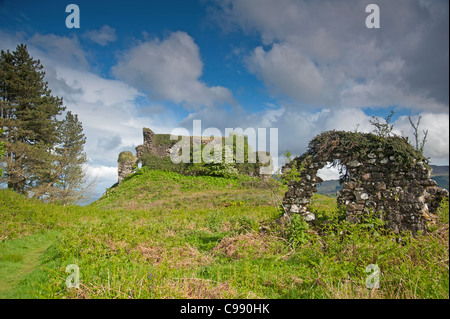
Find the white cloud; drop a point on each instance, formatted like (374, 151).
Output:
(318, 53)
(437, 143)
(107, 110)
(10, 41)
(288, 71)
(328, 173)
(112, 121)
(171, 70)
(101, 172)
(59, 50)
(295, 128)
(103, 36)
(321, 52)
(102, 176)
(321, 56)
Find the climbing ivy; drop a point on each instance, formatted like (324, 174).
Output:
(296, 167)
(355, 145)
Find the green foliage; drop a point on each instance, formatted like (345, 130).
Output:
(294, 171)
(442, 212)
(359, 145)
(164, 140)
(165, 235)
(287, 156)
(29, 119)
(383, 129)
(126, 156)
(218, 166)
(2, 151)
(69, 178)
(298, 231)
(43, 155)
(152, 161)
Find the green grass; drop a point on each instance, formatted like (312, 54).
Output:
(18, 259)
(165, 235)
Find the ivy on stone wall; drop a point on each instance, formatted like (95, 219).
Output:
(355, 145)
(383, 174)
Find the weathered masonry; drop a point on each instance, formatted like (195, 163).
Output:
(162, 146)
(385, 175)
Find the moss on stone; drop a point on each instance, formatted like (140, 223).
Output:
(164, 140)
(359, 145)
(126, 156)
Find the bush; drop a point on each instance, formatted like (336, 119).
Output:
(298, 234)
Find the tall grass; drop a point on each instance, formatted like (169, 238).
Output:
(165, 235)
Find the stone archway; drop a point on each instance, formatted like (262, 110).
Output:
(381, 174)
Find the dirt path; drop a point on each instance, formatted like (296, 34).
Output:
(19, 258)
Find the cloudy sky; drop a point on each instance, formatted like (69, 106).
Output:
(303, 67)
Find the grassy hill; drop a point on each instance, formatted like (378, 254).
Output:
(164, 235)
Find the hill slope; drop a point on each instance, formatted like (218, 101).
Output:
(164, 235)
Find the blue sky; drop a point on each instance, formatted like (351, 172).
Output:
(300, 66)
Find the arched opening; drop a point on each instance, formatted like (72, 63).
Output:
(331, 179)
(385, 176)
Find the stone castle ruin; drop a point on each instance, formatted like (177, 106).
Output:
(382, 175)
(385, 175)
(162, 146)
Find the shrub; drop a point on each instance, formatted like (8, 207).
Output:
(298, 234)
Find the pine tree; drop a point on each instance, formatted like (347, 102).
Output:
(70, 156)
(2, 151)
(28, 116)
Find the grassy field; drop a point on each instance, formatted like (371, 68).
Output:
(164, 235)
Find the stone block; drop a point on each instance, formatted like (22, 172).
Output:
(354, 163)
(352, 207)
(309, 217)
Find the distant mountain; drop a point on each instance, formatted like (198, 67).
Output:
(439, 170)
(329, 187)
(439, 174)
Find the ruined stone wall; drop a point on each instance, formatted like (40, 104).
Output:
(125, 163)
(377, 181)
(160, 145)
(150, 146)
(162, 150)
